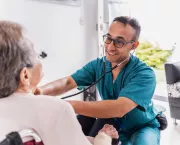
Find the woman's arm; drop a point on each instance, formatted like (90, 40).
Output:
(102, 139)
(57, 124)
(104, 136)
(91, 139)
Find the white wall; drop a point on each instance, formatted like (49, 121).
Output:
(159, 20)
(67, 33)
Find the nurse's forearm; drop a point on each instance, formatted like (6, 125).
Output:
(99, 109)
(104, 109)
(58, 87)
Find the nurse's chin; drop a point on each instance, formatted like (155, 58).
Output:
(111, 59)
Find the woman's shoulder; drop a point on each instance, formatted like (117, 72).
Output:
(50, 101)
(51, 107)
(41, 103)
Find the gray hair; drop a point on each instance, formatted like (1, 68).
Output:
(15, 53)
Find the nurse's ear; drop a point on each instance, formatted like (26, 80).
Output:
(135, 45)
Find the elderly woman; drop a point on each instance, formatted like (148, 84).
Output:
(20, 71)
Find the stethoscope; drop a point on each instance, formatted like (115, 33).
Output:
(121, 127)
(100, 77)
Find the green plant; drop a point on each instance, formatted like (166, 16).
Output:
(153, 55)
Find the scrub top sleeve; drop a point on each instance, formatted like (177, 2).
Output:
(86, 75)
(140, 88)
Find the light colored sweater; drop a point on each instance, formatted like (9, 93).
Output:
(53, 119)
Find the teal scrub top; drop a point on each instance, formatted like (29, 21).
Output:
(135, 81)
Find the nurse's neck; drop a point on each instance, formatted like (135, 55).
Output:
(121, 66)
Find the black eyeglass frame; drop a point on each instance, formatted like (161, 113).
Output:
(115, 41)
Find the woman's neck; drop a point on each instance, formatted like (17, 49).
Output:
(24, 90)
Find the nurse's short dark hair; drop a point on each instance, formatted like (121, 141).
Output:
(126, 20)
(15, 53)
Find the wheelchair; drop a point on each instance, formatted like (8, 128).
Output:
(16, 138)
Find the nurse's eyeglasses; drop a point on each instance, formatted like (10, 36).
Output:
(117, 43)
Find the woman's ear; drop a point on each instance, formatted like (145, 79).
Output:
(25, 76)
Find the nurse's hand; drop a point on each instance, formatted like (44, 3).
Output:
(37, 91)
(110, 131)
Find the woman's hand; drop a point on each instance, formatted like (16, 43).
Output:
(110, 131)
